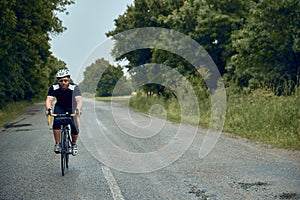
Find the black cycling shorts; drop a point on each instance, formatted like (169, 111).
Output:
(73, 124)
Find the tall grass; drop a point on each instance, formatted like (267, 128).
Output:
(264, 117)
(258, 116)
(170, 109)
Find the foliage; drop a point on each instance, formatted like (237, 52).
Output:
(264, 117)
(211, 23)
(143, 14)
(105, 80)
(108, 81)
(206, 22)
(92, 75)
(25, 56)
(267, 47)
(253, 43)
(123, 88)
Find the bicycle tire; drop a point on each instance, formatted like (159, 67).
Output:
(67, 146)
(63, 152)
(67, 161)
(62, 164)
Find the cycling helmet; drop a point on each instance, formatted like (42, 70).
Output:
(62, 73)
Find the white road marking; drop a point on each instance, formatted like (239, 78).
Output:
(112, 183)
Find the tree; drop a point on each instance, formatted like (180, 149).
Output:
(123, 87)
(144, 13)
(211, 24)
(253, 43)
(25, 29)
(108, 81)
(267, 47)
(101, 78)
(92, 75)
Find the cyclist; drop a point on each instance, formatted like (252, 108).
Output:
(68, 99)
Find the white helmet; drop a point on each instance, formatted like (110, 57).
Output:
(62, 73)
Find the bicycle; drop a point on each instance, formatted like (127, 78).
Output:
(65, 138)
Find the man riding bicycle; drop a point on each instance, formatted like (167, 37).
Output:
(68, 99)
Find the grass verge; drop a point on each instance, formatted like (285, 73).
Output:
(260, 116)
(266, 118)
(11, 111)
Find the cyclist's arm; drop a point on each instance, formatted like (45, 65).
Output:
(79, 103)
(48, 103)
(50, 97)
(78, 99)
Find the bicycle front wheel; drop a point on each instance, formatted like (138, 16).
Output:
(64, 154)
(63, 163)
(67, 155)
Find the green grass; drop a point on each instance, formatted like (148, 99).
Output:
(265, 118)
(11, 111)
(120, 100)
(156, 106)
(88, 95)
(170, 109)
(259, 116)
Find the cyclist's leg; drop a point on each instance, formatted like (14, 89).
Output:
(75, 135)
(74, 130)
(57, 129)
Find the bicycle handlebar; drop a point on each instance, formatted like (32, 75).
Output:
(61, 115)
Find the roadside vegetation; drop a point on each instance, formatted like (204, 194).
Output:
(264, 117)
(11, 111)
(260, 116)
(255, 46)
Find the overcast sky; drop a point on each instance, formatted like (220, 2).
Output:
(86, 23)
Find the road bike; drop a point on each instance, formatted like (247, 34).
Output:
(65, 138)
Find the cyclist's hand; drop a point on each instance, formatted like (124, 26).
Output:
(49, 111)
(78, 111)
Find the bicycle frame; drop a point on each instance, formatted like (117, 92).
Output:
(65, 141)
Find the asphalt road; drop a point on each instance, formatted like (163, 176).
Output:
(139, 157)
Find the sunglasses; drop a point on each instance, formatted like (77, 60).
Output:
(63, 80)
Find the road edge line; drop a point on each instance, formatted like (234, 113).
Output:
(112, 183)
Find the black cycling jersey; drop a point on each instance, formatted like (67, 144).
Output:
(65, 98)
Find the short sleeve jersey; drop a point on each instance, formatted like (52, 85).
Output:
(65, 98)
